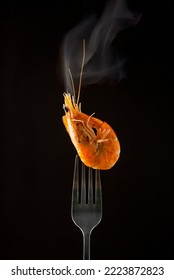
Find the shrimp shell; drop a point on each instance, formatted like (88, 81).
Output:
(95, 141)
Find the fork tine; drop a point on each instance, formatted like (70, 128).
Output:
(90, 187)
(75, 188)
(83, 185)
(98, 191)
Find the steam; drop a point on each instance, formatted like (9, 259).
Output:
(101, 61)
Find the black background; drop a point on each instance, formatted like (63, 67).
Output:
(37, 155)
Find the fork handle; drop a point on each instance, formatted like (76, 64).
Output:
(86, 246)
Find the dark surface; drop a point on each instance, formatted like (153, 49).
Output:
(37, 155)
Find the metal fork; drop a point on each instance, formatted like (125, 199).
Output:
(86, 207)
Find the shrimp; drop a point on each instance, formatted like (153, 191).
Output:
(95, 141)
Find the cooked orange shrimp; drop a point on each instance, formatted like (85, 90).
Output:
(95, 141)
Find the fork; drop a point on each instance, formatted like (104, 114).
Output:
(86, 207)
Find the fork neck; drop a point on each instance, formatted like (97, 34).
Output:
(86, 246)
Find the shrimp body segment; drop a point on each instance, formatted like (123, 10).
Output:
(95, 141)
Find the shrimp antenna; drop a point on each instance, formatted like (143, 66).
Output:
(72, 83)
(81, 72)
